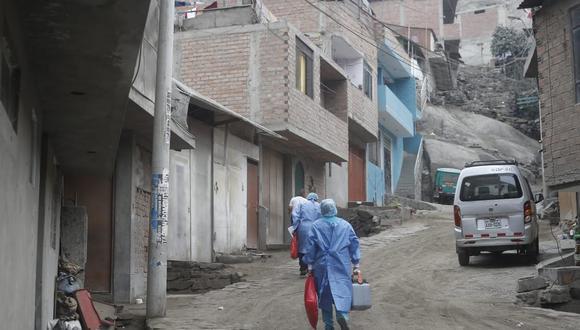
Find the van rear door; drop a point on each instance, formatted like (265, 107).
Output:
(492, 205)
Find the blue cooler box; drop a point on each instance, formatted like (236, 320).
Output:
(361, 296)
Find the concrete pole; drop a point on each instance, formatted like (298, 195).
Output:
(157, 275)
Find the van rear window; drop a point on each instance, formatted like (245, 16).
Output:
(490, 186)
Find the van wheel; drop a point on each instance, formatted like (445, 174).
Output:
(533, 250)
(463, 257)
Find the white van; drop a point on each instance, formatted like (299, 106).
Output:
(494, 210)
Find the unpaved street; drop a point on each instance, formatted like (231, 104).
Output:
(416, 282)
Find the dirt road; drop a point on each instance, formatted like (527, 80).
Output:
(416, 282)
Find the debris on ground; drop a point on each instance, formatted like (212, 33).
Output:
(367, 221)
(200, 277)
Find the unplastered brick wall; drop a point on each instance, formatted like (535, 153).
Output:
(349, 22)
(216, 65)
(560, 113)
(363, 110)
(479, 25)
(306, 114)
(417, 13)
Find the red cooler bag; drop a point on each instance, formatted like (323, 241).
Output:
(294, 246)
(311, 300)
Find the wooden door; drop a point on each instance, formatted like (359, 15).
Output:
(95, 193)
(252, 206)
(179, 231)
(356, 174)
(272, 178)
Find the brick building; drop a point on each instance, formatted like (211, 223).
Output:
(556, 64)
(270, 73)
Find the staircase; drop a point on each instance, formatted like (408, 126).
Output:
(406, 186)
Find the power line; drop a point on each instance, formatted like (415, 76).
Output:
(372, 43)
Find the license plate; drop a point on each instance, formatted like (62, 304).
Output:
(492, 223)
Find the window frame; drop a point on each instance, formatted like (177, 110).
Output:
(304, 68)
(367, 80)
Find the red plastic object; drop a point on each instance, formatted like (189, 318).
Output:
(311, 300)
(89, 316)
(294, 247)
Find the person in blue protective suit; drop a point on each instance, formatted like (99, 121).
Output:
(333, 248)
(305, 216)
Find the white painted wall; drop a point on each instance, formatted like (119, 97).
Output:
(337, 183)
(19, 206)
(230, 190)
(190, 235)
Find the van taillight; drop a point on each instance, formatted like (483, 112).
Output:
(457, 215)
(528, 212)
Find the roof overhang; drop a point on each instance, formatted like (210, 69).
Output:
(82, 56)
(533, 3)
(397, 66)
(222, 115)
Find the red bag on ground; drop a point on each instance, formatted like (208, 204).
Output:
(311, 300)
(294, 247)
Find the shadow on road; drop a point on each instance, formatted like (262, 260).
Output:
(505, 260)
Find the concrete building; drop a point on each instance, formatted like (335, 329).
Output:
(556, 65)
(267, 73)
(426, 23)
(476, 22)
(345, 33)
(61, 117)
(392, 159)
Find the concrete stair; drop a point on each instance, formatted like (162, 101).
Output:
(406, 186)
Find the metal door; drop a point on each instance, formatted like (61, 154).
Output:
(252, 206)
(356, 174)
(179, 231)
(95, 193)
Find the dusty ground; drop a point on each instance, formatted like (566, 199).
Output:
(416, 282)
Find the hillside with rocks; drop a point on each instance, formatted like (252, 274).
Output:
(488, 92)
(453, 137)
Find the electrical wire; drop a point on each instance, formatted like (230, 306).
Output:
(363, 38)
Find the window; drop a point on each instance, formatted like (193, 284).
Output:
(368, 81)
(9, 80)
(575, 21)
(490, 186)
(374, 151)
(304, 68)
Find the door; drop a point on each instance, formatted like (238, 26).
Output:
(387, 165)
(356, 174)
(179, 233)
(252, 206)
(95, 193)
(272, 164)
(298, 178)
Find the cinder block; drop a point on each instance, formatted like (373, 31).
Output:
(532, 283)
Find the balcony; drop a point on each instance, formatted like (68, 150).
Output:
(394, 115)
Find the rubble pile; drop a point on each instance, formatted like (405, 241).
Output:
(367, 221)
(199, 277)
(487, 91)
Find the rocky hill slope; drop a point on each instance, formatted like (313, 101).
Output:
(488, 92)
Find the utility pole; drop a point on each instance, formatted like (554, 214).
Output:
(157, 274)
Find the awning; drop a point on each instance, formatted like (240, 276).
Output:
(226, 115)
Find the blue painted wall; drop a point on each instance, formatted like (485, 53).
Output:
(397, 155)
(412, 144)
(406, 91)
(375, 184)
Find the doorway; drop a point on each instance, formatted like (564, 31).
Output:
(387, 165)
(298, 178)
(252, 206)
(95, 193)
(356, 174)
